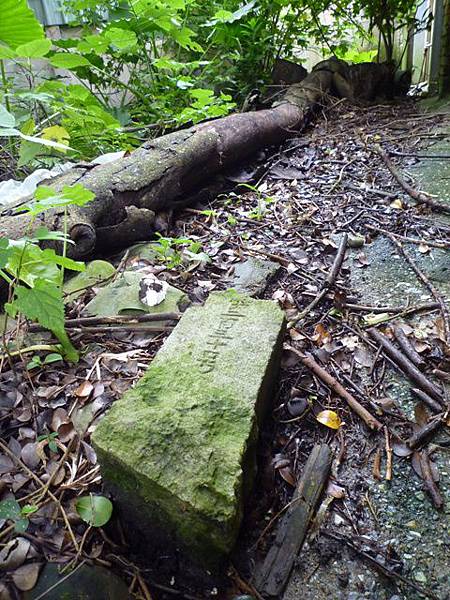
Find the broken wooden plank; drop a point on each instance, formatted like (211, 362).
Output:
(272, 576)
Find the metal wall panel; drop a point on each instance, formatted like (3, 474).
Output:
(48, 12)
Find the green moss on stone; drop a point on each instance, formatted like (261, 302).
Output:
(176, 444)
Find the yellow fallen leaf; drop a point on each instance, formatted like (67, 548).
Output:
(329, 418)
(397, 203)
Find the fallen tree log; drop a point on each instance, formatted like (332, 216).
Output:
(163, 173)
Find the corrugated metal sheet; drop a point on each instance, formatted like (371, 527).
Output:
(48, 12)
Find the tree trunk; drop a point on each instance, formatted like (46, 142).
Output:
(161, 174)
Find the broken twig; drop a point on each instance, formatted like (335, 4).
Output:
(421, 435)
(328, 283)
(419, 197)
(406, 366)
(333, 384)
(408, 348)
(427, 283)
(428, 478)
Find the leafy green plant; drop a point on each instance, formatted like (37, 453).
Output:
(95, 510)
(11, 510)
(262, 199)
(35, 275)
(170, 249)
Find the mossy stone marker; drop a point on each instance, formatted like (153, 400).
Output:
(178, 450)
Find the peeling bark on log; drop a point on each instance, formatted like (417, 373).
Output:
(162, 173)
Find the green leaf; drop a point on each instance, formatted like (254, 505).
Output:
(47, 198)
(43, 303)
(6, 52)
(52, 357)
(21, 525)
(95, 510)
(94, 43)
(121, 38)
(183, 36)
(9, 509)
(67, 60)
(43, 234)
(18, 24)
(34, 49)
(5, 252)
(34, 362)
(7, 120)
(29, 509)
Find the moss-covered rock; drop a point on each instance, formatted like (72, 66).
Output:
(178, 450)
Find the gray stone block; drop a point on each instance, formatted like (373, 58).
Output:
(178, 450)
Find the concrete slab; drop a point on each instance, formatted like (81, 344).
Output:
(252, 276)
(178, 451)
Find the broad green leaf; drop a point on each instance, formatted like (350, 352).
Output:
(50, 257)
(26, 262)
(121, 38)
(21, 525)
(95, 510)
(34, 49)
(9, 133)
(43, 142)
(183, 36)
(43, 303)
(7, 120)
(5, 252)
(94, 43)
(43, 234)
(28, 150)
(67, 60)
(6, 52)
(18, 24)
(225, 16)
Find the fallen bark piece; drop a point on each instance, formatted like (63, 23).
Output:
(339, 389)
(178, 450)
(406, 366)
(272, 576)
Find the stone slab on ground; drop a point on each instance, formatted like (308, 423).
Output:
(97, 272)
(252, 276)
(178, 450)
(122, 297)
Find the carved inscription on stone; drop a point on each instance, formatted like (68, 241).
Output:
(219, 337)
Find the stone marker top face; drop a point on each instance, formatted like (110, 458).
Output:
(184, 430)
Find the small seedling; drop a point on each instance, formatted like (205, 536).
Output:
(169, 249)
(50, 439)
(36, 360)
